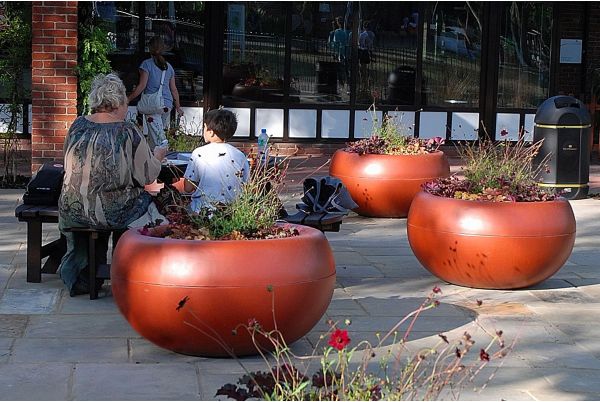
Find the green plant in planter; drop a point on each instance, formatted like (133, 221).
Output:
(389, 139)
(495, 171)
(251, 215)
(365, 371)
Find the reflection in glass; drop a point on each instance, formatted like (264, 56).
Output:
(254, 52)
(524, 54)
(180, 24)
(452, 54)
(321, 52)
(387, 52)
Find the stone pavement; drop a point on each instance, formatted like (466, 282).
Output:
(53, 346)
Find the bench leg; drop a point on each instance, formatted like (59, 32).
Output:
(34, 251)
(92, 237)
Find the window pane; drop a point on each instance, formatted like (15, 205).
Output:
(387, 54)
(452, 54)
(121, 19)
(524, 54)
(254, 52)
(181, 26)
(321, 51)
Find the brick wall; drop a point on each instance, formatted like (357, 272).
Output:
(53, 79)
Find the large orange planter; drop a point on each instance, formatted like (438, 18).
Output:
(221, 284)
(490, 245)
(384, 185)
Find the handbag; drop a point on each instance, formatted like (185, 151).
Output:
(45, 186)
(152, 103)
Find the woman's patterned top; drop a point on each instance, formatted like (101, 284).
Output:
(106, 168)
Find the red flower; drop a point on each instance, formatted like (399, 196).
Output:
(436, 289)
(483, 355)
(339, 339)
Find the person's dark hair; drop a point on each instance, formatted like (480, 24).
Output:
(156, 46)
(339, 21)
(366, 25)
(222, 122)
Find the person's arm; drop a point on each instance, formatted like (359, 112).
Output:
(145, 165)
(140, 86)
(192, 174)
(175, 94)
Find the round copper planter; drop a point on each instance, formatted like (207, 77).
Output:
(188, 296)
(384, 185)
(503, 245)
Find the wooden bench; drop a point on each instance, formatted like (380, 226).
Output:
(97, 271)
(36, 216)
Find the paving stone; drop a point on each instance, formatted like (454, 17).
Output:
(5, 348)
(385, 323)
(549, 355)
(348, 258)
(29, 301)
(144, 351)
(83, 305)
(69, 350)
(361, 271)
(401, 307)
(574, 380)
(79, 326)
(12, 326)
(46, 381)
(128, 381)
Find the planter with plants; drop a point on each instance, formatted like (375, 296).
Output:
(495, 228)
(385, 171)
(227, 267)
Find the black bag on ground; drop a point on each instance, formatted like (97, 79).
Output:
(45, 186)
(327, 194)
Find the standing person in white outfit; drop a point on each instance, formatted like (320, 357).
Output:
(217, 170)
(151, 72)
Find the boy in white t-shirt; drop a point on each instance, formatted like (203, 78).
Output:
(217, 170)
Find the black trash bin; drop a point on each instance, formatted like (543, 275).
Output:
(401, 86)
(563, 122)
(327, 77)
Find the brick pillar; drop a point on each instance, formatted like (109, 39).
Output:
(53, 79)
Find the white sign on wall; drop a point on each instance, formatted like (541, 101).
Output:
(570, 51)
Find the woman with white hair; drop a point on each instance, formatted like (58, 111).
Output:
(107, 163)
(156, 72)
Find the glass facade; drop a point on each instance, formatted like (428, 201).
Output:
(328, 61)
(524, 54)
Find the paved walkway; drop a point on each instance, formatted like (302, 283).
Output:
(53, 346)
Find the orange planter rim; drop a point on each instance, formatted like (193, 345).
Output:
(389, 155)
(559, 199)
(302, 231)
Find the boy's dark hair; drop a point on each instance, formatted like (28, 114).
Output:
(222, 122)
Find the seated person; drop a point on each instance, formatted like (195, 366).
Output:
(217, 170)
(107, 163)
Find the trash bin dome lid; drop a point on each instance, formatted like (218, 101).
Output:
(552, 109)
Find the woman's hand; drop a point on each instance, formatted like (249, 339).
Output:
(179, 110)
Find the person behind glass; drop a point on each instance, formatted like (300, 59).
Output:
(339, 43)
(150, 76)
(217, 170)
(107, 163)
(366, 40)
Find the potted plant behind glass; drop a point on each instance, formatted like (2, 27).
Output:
(385, 171)
(495, 228)
(228, 267)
